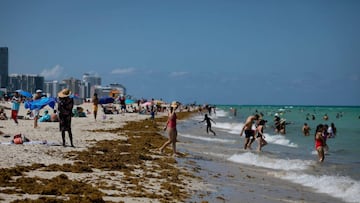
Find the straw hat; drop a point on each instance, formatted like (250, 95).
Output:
(174, 104)
(64, 93)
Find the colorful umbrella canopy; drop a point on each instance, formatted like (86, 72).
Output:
(25, 93)
(146, 103)
(40, 103)
(129, 101)
(106, 100)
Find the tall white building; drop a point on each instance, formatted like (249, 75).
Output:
(88, 82)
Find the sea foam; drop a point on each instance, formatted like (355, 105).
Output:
(336, 186)
(209, 139)
(279, 140)
(271, 163)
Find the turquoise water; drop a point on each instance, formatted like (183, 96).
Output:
(291, 157)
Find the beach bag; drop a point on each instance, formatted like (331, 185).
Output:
(18, 139)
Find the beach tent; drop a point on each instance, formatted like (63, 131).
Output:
(40, 103)
(106, 100)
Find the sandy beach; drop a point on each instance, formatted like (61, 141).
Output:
(117, 160)
(114, 160)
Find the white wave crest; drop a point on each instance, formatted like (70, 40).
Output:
(209, 139)
(335, 186)
(272, 163)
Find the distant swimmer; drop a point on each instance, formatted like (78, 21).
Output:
(306, 129)
(331, 130)
(249, 133)
(208, 124)
(326, 117)
(233, 111)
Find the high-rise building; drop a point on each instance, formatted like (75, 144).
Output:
(28, 82)
(51, 88)
(4, 67)
(89, 81)
(73, 84)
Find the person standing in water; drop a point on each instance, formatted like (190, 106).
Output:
(306, 129)
(208, 124)
(260, 134)
(249, 132)
(320, 142)
(171, 129)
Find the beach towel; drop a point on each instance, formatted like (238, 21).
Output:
(40, 103)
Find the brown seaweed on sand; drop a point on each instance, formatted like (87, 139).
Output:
(111, 169)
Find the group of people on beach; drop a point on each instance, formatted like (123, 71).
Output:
(62, 115)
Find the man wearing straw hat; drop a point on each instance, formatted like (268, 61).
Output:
(65, 106)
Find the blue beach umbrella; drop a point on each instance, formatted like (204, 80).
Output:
(106, 100)
(24, 93)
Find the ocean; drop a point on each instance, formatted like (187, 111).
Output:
(290, 157)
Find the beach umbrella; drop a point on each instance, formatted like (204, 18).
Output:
(24, 93)
(158, 102)
(40, 103)
(106, 100)
(146, 103)
(129, 101)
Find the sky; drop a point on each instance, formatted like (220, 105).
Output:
(255, 52)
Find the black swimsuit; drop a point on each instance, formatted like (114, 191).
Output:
(249, 133)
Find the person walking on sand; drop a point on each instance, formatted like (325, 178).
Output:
(260, 135)
(320, 142)
(171, 129)
(15, 106)
(65, 106)
(208, 124)
(249, 133)
(95, 101)
(37, 96)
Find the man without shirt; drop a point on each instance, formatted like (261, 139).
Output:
(249, 133)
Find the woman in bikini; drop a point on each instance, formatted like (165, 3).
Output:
(320, 142)
(260, 135)
(171, 129)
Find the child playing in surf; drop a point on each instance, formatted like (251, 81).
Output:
(208, 124)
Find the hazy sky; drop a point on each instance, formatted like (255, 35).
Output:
(221, 52)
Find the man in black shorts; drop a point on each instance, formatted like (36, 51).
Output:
(249, 133)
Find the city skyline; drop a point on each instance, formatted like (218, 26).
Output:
(232, 52)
